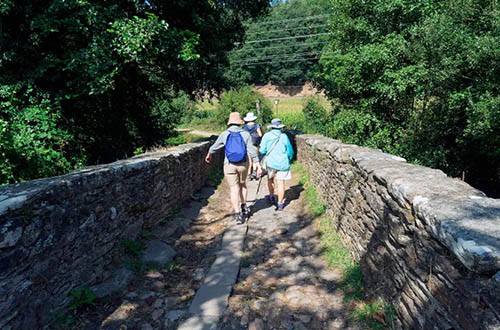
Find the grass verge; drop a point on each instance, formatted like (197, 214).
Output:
(374, 314)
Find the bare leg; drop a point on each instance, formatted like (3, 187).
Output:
(235, 198)
(281, 190)
(270, 185)
(251, 163)
(243, 192)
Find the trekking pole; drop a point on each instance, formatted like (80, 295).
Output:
(258, 187)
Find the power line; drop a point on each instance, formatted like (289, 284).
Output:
(307, 18)
(299, 28)
(285, 60)
(286, 38)
(280, 55)
(279, 47)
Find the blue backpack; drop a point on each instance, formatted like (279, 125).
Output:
(236, 150)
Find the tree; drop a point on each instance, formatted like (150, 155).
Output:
(427, 73)
(107, 71)
(290, 59)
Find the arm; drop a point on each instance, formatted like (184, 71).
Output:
(263, 146)
(259, 131)
(219, 143)
(289, 147)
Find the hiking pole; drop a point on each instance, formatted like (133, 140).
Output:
(258, 187)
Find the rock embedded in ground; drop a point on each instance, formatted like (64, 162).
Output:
(157, 313)
(174, 315)
(256, 324)
(120, 280)
(158, 252)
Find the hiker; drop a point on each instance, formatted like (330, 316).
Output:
(238, 145)
(279, 152)
(256, 133)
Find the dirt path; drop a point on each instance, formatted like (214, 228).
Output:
(283, 282)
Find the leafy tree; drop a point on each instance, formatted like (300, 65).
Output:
(243, 100)
(426, 74)
(286, 61)
(106, 75)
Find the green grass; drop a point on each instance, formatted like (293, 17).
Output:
(375, 315)
(133, 247)
(183, 138)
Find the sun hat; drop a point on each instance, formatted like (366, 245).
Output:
(276, 123)
(250, 117)
(235, 118)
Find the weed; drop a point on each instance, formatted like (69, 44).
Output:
(172, 265)
(138, 266)
(146, 234)
(82, 297)
(133, 247)
(173, 212)
(216, 176)
(316, 207)
(138, 151)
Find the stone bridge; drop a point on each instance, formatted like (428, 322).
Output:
(428, 245)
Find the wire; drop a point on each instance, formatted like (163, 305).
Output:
(280, 55)
(289, 60)
(307, 18)
(286, 38)
(289, 46)
(299, 28)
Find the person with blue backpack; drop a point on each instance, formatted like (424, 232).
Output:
(238, 145)
(278, 152)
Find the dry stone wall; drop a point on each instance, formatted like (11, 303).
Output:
(429, 245)
(61, 233)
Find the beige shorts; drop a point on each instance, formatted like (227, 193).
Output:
(236, 174)
(280, 175)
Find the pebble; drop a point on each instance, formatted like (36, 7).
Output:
(170, 301)
(256, 324)
(198, 274)
(158, 303)
(157, 313)
(158, 285)
(175, 314)
(154, 275)
(146, 326)
(304, 318)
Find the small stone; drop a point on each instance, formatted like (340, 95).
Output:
(170, 301)
(281, 230)
(149, 300)
(259, 305)
(198, 274)
(154, 275)
(191, 293)
(300, 326)
(157, 313)
(287, 325)
(158, 285)
(132, 295)
(244, 319)
(175, 314)
(304, 318)
(256, 324)
(146, 326)
(158, 303)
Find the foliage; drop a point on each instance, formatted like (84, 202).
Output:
(281, 61)
(315, 115)
(133, 247)
(82, 297)
(184, 138)
(419, 78)
(95, 80)
(243, 100)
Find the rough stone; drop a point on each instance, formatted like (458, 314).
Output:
(118, 282)
(157, 313)
(176, 314)
(256, 324)
(158, 252)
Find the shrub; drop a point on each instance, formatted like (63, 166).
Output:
(243, 100)
(315, 115)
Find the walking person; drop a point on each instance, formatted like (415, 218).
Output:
(279, 152)
(256, 133)
(238, 146)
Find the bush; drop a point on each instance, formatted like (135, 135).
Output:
(243, 100)
(315, 115)
(32, 144)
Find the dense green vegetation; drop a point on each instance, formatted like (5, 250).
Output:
(419, 79)
(286, 57)
(90, 81)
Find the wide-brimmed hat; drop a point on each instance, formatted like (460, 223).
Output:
(276, 123)
(250, 117)
(235, 118)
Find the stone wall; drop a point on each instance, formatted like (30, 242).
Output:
(427, 244)
(60, 233)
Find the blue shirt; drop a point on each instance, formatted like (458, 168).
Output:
(281, 154)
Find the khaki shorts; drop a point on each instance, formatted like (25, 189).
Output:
(236, 174)
(280, 175)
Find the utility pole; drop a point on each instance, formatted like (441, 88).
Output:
(257, 106)
(277, 111)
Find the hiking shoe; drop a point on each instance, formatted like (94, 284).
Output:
(245, 210)
(238, 218)
(281, 206)
(271, 199)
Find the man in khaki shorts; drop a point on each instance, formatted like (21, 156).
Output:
(238, 146)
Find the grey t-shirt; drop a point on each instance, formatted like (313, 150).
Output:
(221, 142)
